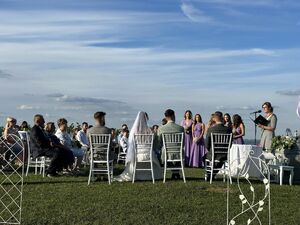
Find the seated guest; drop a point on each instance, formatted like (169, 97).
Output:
(24, 126)
(41, 145)
(66, 140)
(220, 129)
(12, 129)
(68, 160)
(238, 130)
(156, 147)
(100, 127)
(123, 128)
(82, 137)
(124, 140)
(170, 127)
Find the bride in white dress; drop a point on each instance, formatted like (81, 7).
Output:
(139, 127)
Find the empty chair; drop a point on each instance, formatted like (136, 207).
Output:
(100, 162)
(220, 150)
(121, 155)
(173, 153)
(143, 154)
(39, 162)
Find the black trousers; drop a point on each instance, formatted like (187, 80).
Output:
(60, 158)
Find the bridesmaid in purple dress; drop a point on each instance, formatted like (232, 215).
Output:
(238, 130)
(198, 147)
(188, 139)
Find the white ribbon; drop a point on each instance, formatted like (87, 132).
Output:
(298, 108)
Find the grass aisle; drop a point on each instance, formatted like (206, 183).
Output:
(68, 200)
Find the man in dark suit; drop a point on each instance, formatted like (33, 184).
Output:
(42, 146)
(220, 129)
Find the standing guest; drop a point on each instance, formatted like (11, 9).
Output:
(170, 127)
(238, 130)
(41, 145)
(188, 139)
(221, 129)
(68, 159)
(198, 147)
(66, 140)
(227, 120)
(24, 126)
(268, 131)
(82, 137)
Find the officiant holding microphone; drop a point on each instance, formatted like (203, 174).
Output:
(268, 130)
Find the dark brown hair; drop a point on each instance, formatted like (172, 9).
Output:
(61, 121)
(269, 105)
(195, 118)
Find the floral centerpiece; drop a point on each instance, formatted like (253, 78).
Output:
(279, 145)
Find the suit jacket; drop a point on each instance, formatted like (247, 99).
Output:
(219, 129)
(98, 130)
(170, 127)
(39, 142)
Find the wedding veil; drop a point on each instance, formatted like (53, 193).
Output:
(139, 127)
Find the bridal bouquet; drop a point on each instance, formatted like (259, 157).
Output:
(280, 143)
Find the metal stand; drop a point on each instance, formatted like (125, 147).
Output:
(255, 130)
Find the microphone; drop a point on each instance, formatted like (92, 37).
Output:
(258, 111)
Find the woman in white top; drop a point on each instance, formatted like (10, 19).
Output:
(139, 127)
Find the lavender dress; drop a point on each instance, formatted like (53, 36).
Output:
(188, 140)
(198, 149)
(240, 140)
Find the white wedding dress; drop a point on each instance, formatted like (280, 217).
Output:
(139, 127)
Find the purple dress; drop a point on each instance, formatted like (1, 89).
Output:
(198, 149)
(240, 140)
(188, 140)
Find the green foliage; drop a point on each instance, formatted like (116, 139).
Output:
(69, 200)
(280, 143)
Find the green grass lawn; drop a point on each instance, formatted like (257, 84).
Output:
(69, 200)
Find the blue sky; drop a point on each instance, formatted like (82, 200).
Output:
(71, 58)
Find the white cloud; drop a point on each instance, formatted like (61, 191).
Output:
(27, 107)
(195, 14)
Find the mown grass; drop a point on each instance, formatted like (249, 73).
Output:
(69, 200)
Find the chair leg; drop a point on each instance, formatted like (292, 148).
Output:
(280, 175)
(165, 171)
(183, 174)
(291, 176)
(152, 173)
(134, 168)
(90, 174)
(28, 165)
(108, 172)
(211, 172)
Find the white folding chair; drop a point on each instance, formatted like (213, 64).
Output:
(121, 155)
(100, 163)
(143, 147)
(173, 153)
(39, 162)
(220, 144)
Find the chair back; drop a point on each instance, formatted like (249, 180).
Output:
(173, 145)
(100, 146)
(143, 145)
(26, 138)
(220, 143)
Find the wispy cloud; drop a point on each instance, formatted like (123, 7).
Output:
(289, 92)
(196, 15)
(5, 75)
(27, 107)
